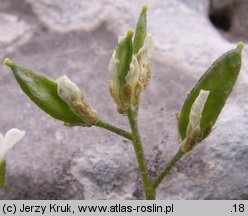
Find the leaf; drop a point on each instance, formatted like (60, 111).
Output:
(219, 79)
(2, 173)
(43, 92)
(141, 30)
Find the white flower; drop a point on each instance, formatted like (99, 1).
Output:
(9, 140)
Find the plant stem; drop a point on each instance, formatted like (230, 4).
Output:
(150, 192)
(168, 168)
(2, 173)
(113, 129)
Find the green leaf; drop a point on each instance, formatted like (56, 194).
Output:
(2, 173)
(219, 79)
(141, 30)
(124, 53)
(43, 92)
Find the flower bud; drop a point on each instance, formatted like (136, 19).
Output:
(71, 94)
(129, 67)
(124, 74)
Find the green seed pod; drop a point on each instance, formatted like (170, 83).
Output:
(2, 173)
(142, 48)
(43, 92)
(124, 53)
(219, 79)
(141, 30)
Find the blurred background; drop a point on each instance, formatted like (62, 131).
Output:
(76, 38)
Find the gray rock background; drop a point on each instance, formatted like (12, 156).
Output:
(77, 38)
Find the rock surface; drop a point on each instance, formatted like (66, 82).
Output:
(77, 39)
(230, 16)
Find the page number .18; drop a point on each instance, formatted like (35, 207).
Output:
(238, 208)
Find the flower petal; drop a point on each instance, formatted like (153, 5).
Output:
(113, 68)
(197, 108)
(146, 49)
(133, 73)
(144, 57)
(1, 139)
(11, 138)
(68, 91)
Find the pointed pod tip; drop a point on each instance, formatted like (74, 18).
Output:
(130, 33)
(144, 8)
(8, 62)
(240, 45)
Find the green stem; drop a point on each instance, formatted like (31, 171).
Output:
(113, 129)
(168, 168)
(2, 173)
(149, 190)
